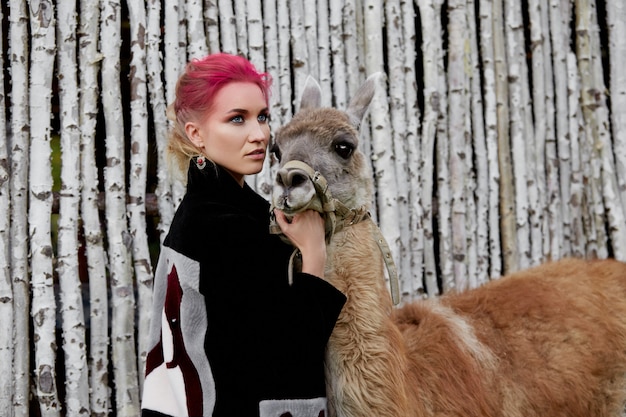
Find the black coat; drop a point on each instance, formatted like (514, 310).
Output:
(264, 339)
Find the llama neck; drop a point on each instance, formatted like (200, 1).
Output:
(366, 355)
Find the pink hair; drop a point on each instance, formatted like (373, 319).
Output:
(204, 77)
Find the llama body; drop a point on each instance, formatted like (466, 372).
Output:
(549, 341)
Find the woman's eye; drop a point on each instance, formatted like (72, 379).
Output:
(263, 118)
(237, 119)
(344, 150)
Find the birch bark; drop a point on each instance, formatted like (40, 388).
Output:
(211, 22)
(20, 147)
(382, 149)
(43, 311)
(339, 84)
(138, 178)
(433, 100)
(457, 134)
(491, 133)
(73, 325)
(240, 15)
(559, 193)
(6, 291)
(197, 46)
(578, 214)
(478, 196)
(517, 111)
(158, 103)
(507, 192)
(616, 19)
(228, 27)
(398, 133)
(285, 108)
(412, 114)
(89, 65)
(299, 49)
(324, 56)
(541, 233)
(124, 356)
(595, 112)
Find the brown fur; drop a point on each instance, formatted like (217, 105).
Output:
(548, 341)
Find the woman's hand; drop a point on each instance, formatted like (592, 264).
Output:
(306, 232)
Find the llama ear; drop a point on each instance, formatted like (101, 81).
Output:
(312, 94)
(363, 97)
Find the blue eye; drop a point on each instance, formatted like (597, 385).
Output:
(237, 119)
(263, 118)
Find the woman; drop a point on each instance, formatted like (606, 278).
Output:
(229, 335)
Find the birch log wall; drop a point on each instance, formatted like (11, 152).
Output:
(497, 141)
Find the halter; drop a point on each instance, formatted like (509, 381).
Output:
(337, 216)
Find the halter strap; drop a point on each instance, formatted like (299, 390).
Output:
(337, 216)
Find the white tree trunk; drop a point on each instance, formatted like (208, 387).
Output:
(339, 82)
(75, 351)
(6, 292)
(20, 276)
(596, 117)
(198, 45)
(412, 115)
(89, 65)
(616, 19)
(325, 75)
(124, 357)
(138, 177)
(211, 22)
(432, 51)
(40, 210)
(398, 139)
(491, 134)
(507, 192)
(228, 28)
(382, 147)
(159, 105)
(457, 134)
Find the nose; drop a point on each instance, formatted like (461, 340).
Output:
(292, 177)
(259, 132)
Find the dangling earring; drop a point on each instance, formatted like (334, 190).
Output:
(200, 162)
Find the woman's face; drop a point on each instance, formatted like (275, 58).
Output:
(235, 132)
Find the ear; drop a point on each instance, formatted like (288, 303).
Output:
(312, 94)
(363, 97)
(193, 133)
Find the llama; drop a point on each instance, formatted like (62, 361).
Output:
(548, 341)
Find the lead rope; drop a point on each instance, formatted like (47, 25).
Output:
(334, 210)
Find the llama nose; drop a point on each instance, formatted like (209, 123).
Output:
(292, 177)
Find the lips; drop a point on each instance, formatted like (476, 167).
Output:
(257, 153)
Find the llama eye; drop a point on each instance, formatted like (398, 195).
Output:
(344, 150)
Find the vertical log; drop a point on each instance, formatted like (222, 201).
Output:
(228, 27)
(89, 66)
(158, 103)
(43, 311)
(20, 135)
(541, 233)
(382, 148)
(507, 193)
(398, 133)
(324, 52)
(478, 229)
(299, 49)
(337, 50)
(284, 62)
(211, 22)
(457, 134)
(412, 114)
(6, 291)
(487, 53)
(616, 22)
(434, 99)
(74, 346)
(138, 177)
(595, 111)
(559, 170)
(241, 26)
(197, 46)
(124, 355)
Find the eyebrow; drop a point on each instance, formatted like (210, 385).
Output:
(265, 109)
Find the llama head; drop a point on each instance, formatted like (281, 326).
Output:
(327, 140)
